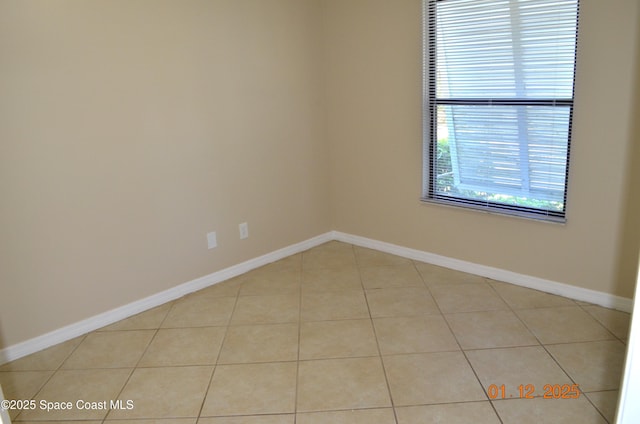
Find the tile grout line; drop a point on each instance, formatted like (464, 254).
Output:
(375, 334)
(574, 304)
(459, 346)
(514, 311)
(544, 347)
(582, 392)
(155, 333)
(135, 367)
(215, 365)
(55, 371)
(601, 323)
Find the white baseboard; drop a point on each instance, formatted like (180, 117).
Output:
(548, 286)
(98, 321)
(69, 332)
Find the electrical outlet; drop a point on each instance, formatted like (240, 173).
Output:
(212, 241)
(244, 230)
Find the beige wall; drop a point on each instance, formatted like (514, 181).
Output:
(131, 128)
(629, 234)
(373, 65)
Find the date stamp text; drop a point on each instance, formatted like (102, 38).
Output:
(528, 391)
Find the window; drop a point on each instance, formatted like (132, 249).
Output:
(498, 95)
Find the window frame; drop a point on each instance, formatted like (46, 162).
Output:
(430, 124)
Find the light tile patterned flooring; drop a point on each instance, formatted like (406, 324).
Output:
(338, 334)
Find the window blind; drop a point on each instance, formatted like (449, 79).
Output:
(499, 82)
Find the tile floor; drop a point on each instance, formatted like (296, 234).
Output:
(338, 334)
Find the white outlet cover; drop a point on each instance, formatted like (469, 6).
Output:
(212, 240)
(244, 230)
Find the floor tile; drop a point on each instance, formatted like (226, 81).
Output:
(490, 329)
(110, 349)
(261, 282)
(451, 413)
(337, 339)
(398, 302)
(615, 321)
(330, 247)
(73, 385)
(468, 297)
(329, 255)
(322, 280)
(154, 421)
(369, 257)
(47, 359)
(260, 343)
(184, 346)
(434, 275)
(524, 298)
(595, 366)
(548, 411)
(148, 320)
(605, 402)
(515, 367)
(22, 385)
(428, 378)
(335, 334)
(167, 392)
(385, 277)
(74, 422)
(271, 309)
(228, 288)
(563, 324)
(293, 262)
(200, 310)
(250, 389)
(331, 384)
(428, 333)
(334, 305)
(352, 416)
(253, 419)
